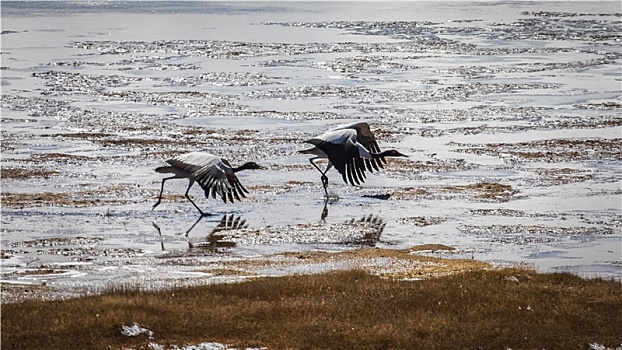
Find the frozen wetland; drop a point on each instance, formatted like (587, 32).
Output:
(509, 111)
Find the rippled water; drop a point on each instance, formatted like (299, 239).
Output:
(509, 111)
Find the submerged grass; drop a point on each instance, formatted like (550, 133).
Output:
(494, 309)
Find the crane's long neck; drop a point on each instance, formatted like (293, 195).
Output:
(364, 153)
(244, 166)
(387, 153)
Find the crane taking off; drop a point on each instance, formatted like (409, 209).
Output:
(215, 175)
(351, 149)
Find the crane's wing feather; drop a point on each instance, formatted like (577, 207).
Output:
(192, 162)
(366, 137)
(213, 180)
(235, 187)
(345, 158)
(213, 174)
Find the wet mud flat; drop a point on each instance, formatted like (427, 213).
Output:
(510, 116)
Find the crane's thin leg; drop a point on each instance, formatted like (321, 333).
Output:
(324, 177)
(162, 190)
(191, 182)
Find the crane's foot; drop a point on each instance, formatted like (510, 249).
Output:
(325, 181)
(325, 185)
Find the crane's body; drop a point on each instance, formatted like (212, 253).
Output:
(215, 175)
(351, 149)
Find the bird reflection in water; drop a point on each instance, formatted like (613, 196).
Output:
(375, 223)
(213, 241)
(324, 211)
(333, 198)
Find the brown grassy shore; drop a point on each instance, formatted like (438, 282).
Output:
(483, 309)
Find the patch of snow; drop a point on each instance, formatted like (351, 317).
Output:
(202, 346)
(596, 346)
(136, 330)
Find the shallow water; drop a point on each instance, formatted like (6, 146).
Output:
(515, 94)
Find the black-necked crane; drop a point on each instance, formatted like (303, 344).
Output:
(351, 149)
(215, 175)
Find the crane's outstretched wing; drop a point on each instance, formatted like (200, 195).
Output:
(191, 162)
(236, 187)
(343, 154)
(366, 137)
(211, 173)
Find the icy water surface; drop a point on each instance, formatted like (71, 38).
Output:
(509, 112)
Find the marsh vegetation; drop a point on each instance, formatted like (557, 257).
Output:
(480, 309)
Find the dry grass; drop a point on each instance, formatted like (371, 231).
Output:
(496, 309)
(23, 173)
(555, 150)
(74, 200)
(486, 191)
(406, 263)
(409, 193)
